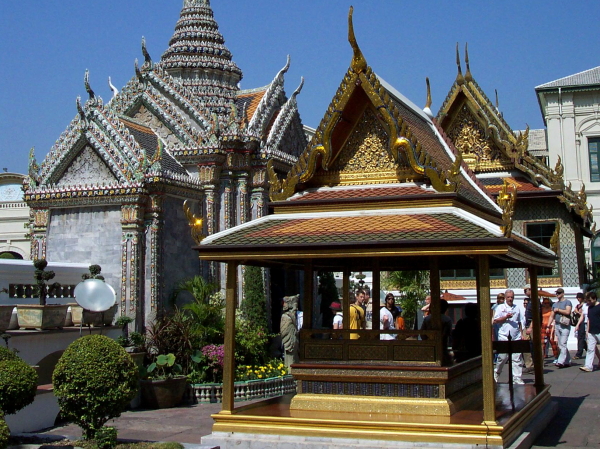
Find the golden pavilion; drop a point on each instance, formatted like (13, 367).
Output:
(380, 187)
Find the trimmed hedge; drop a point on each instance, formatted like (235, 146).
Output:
(4, 432)
(18, 382)
(94, 380)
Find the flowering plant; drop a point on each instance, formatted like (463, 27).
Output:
(274, 368)
(213, 357)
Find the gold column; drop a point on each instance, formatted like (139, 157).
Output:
(229, 362)
(434, 308)
(375, 294)
(309, 303)
(538, 356)
(346, 298)
(487, 356)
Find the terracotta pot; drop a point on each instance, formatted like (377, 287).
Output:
(164, 393)
(5, 316)
(35, 316)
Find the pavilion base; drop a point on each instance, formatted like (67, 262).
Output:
(469, 398)
(271, 424)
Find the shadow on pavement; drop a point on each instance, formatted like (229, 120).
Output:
(567, 408)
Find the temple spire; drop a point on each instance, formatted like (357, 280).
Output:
(197, 55)
(468, 76)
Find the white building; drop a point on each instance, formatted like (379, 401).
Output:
(14, 215)
(571, 110)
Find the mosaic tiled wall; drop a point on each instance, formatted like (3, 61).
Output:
(549, 209)
(88, 235)
(180, 261)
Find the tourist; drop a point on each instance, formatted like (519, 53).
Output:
(496, 327)
(386, 318)
(527, 305)
(357, 314)
(425, 308)
(446, 331)
(466, 337)
(561, 314)
(368, 308)
(548, 335)
(336, 308)
(579, 317)
(593, 331)
(511, 320)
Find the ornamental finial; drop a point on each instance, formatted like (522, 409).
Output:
(147, 57)
(468, 76)
(459, 78)
(427, 108)
(359, 63)
(114, 90)
(86, 82)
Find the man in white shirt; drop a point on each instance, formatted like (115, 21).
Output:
(511, 321)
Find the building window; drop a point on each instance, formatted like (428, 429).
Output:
(542, 233)
(594, 152)
(468, 274)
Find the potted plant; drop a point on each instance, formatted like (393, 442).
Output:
(133, 342)
(5, 314)
(163, 386)
(42, 315)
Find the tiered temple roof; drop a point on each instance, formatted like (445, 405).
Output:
(495, 153)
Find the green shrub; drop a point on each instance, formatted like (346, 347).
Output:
(4, 432)
(106, 437)
(18, 382)
(94, 380)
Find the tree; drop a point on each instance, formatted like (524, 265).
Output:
(413, 287)
(254, 305)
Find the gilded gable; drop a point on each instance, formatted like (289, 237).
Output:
(469, 137)
(364, 157)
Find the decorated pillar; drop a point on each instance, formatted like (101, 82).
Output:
(39, 221)
(132, 262)
(487, 353)
(155, 252)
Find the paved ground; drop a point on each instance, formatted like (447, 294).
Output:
(576, 425)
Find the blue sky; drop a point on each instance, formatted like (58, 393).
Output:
(46, 47)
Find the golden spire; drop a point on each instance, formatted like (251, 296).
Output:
(459, 78)
(359, 63)
(468, 76)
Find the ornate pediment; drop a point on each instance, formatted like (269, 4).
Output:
(476, 146)
(364, 158)
(87, 168)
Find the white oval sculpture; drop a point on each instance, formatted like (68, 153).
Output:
(95, 295)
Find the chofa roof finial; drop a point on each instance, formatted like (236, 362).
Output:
(427, 108)
(359, 63)
(147, 57)
(468, 76)
(86, 82)
(459, 78)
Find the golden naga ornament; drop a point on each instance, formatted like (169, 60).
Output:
(506, 200)
(555, 239)
(194, 222)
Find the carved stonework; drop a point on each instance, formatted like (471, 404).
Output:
(470, 139)
(87, 169)
(145, 117)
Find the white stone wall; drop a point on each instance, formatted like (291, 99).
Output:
(572, 117)
(90, 235)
